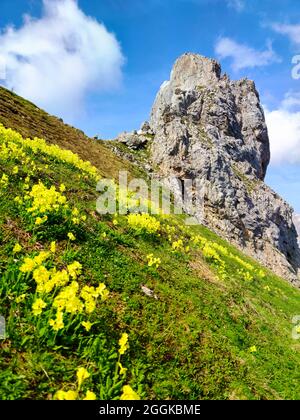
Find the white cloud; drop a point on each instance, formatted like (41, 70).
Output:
(238, 5)
(55, 60)
(284, 131)
(292, 31)
(244, 56)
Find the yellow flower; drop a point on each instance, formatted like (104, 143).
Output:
(53, 247)
(67, 299)
(123, 343)
(90, 396)
(74, 269)
(39, 259)
(18, 200)
(17, 248)
(59, 395)
(62, 188)
(4, 180)
(15, 170)
(40, 220)
(27, 266)
(58, 323)
(253, 349)
(87, 325)
(102, 291)
(153, 261)
(143, 223)
(129, 393)
(82, 375)
(71, 395)
(45, 200)
(66, 395)
(122, 369)
(83, 218)
(75, 212)
(38, 306)
(20, 298)
(115, 222)
(71, 236)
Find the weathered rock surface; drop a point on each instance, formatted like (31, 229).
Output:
(211, 128)
(296, 219)
(137, 140)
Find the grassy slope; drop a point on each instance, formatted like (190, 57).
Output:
(31, 121)
(192, 342)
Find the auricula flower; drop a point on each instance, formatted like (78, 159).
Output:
(129, 393)
(38, 306)
(66, 395)
(82, 375)
(123, 343)
(71, 236)
(17, 248)
(123, 370)
(90, 396)
(87, 325)
(62, 188)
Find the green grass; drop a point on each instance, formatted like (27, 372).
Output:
(192, 342)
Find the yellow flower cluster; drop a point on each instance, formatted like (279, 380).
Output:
(82, 374)
(178, 246)
(129, 394)
(245, 275)
(170, 231)
(17, 248)
(30, 264)
(123, 343)
(90, 294)
(211, 254)
(153, 261)
(57, 323)
(213, 251)
(4, 181)
(38, 306)
(45, 200)
(69, 299)
(14, 144)
(143, 223)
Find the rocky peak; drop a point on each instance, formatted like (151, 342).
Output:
(193, 70)
(226, 113)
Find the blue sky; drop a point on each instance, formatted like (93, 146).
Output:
(122, 64)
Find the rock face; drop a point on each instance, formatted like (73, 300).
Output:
(296, 220)
(210, 128)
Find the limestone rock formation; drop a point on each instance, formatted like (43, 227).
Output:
(296, 220)
(211, 128)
